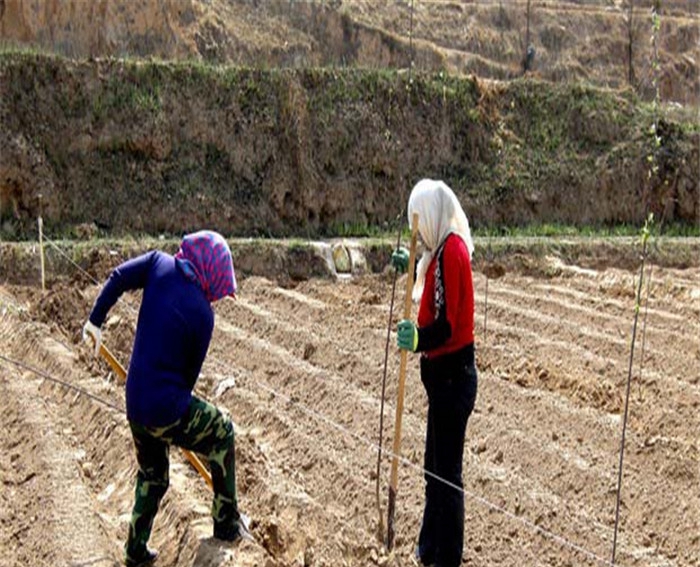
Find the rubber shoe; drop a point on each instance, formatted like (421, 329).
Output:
(148, 557)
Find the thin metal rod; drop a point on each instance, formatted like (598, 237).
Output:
(380, 533)
(380, 529)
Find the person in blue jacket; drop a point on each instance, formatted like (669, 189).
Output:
(173, 332)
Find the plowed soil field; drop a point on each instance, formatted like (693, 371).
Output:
(300, 370)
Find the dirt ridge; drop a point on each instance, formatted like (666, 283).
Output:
(299, 369)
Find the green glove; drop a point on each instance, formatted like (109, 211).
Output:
(407, 338)
(399, 259)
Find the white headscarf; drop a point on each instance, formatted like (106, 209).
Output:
(439, 215)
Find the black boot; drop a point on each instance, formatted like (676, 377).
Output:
(420, 560)
(142, 560)
(238, 529)
(227, 532)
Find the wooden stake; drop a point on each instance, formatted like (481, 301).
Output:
(400, 395)
(191, 457)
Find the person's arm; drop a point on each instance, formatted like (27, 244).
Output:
(132, 274)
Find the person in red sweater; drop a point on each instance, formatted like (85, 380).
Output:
(444, 336)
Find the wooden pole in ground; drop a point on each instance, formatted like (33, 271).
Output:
(121, 373)
(380, 527)
(399, 398)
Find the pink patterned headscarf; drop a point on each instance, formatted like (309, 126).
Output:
(204, 257)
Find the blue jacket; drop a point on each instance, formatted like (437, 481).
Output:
(172, 336)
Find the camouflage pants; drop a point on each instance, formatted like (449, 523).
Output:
(203, 429)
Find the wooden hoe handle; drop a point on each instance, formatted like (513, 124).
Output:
(400, 395)
(189, 455)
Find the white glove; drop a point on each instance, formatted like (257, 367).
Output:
(94, 333)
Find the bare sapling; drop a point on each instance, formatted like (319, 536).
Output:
(644, 241)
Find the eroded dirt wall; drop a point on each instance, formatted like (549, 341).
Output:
(167, 147)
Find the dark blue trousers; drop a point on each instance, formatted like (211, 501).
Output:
(451, 383)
